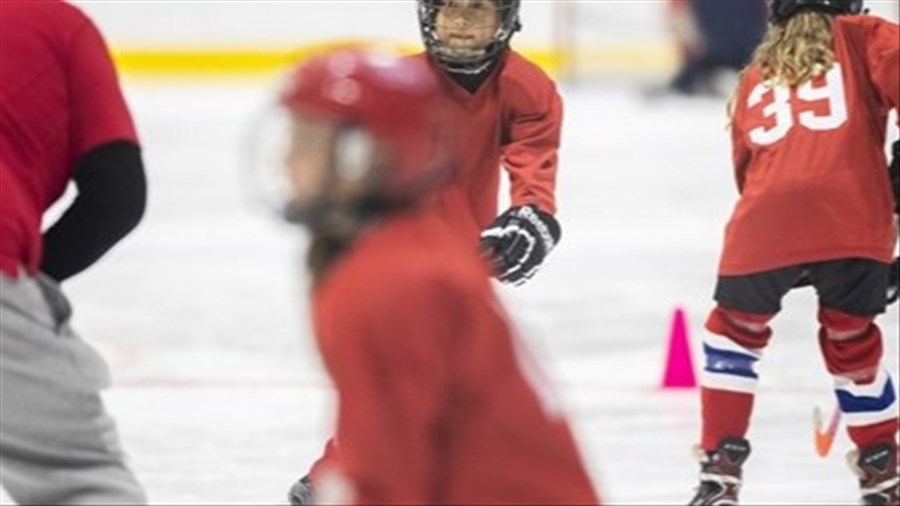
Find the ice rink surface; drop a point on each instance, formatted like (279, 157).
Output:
(221, 399)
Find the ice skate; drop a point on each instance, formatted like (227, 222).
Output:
(720, 473)
(876, 468)
(301, 492)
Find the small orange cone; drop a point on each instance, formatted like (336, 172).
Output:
(679, 362)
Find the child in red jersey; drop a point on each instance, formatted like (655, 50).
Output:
(808, 130)
(511, 117)
(436, 401)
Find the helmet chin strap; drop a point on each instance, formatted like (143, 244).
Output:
(462, 67)
(324, 217)
(470, 71)
(340, 221)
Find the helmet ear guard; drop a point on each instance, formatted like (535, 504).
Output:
(782, 10)
(476, 61)
(354, 156)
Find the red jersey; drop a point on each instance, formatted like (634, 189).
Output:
(59, 99)
(513, 120)
(810, 162)
(436, 403)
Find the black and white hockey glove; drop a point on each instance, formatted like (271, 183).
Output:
(894, 170)
(893, 294)
(518, 241)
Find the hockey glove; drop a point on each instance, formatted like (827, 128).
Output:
(301, 492)
(893, 294)
(518, 241)
(894, 170)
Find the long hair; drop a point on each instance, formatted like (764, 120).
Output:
(797, 50)
(793, 52)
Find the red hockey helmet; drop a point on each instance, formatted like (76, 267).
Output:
(394, 102)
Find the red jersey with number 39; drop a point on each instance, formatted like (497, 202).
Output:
(810, 161)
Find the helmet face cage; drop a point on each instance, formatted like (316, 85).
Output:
(782, 10)
(352, 161)
(390, 139)
(467, 61)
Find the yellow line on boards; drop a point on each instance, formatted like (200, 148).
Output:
(237, 62)
(229, 61)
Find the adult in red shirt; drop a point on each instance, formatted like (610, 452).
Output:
(437, 401)
(808, 130)
(62, 119)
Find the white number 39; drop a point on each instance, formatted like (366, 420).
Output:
(780, 107)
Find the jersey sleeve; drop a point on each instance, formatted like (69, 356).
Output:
(391, 389)
(883, 61)
(99, 114)
(740, 151)
(530, 151)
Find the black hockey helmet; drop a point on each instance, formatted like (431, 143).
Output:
(472, 61)
(781, 10)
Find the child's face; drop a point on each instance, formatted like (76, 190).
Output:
(308, 158)
(328, 162)
(467, 24)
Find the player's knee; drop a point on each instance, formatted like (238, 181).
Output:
(851, 345)
(750, 331)
(732, 347)
(841, 326)
(729, 366)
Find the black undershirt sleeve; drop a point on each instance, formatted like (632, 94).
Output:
(112, 196)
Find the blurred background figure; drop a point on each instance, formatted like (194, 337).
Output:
(63, 119)
(438, 403)
(712, 37)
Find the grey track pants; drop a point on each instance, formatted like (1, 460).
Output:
(58, 445)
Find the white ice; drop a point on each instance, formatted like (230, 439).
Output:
(221, 399)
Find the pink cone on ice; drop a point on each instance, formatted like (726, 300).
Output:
(679, 371)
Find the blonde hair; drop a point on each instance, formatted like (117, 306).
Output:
(797, 50)
(792, 52)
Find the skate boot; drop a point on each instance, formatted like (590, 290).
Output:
(878, 475)
(720, 473)
(301, 493)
